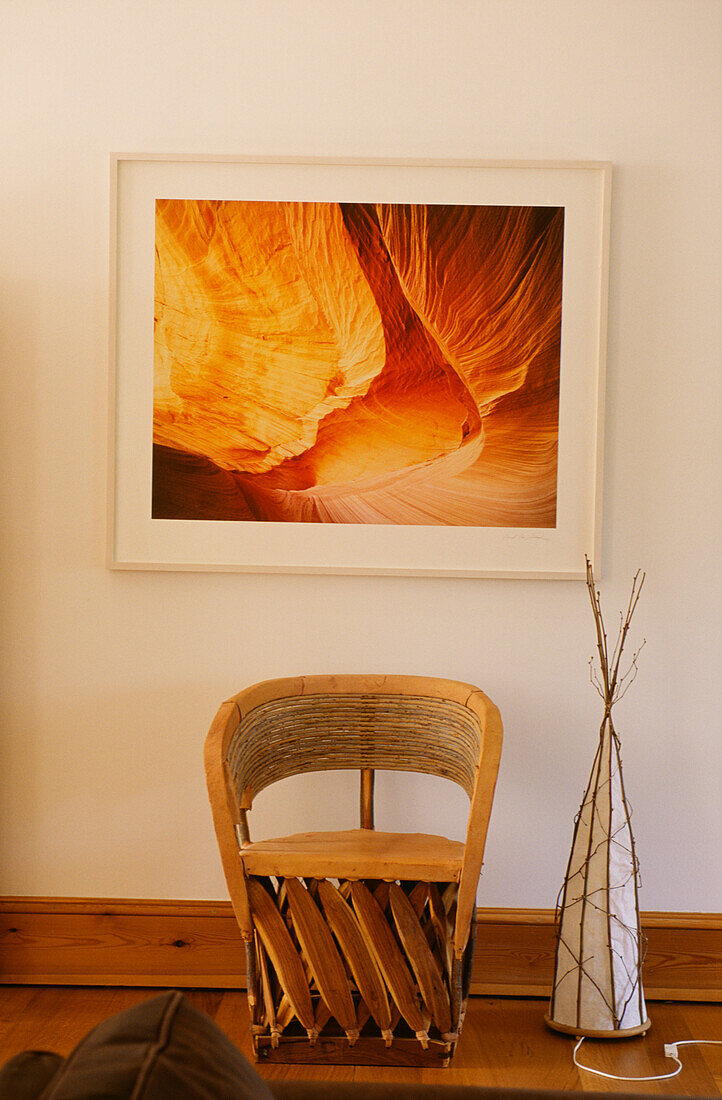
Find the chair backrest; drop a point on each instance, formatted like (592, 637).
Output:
(353, 724)
(284, 727)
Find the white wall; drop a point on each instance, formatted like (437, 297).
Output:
(111, 679)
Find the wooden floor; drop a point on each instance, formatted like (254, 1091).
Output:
(505, 1041)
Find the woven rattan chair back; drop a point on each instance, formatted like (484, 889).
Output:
(340, 730)
(397, 928)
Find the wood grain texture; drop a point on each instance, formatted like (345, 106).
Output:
(282, 953)
(423, 963)
(335, 1051)
(166, 943)
(356, 853)
(227, 815)
(322, 956)
(379, 955)
(505, 1042)
(345, 927)
(366, 798)
(390, 961)
(120, 942)
(482, 798)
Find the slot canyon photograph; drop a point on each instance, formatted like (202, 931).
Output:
(357, 363)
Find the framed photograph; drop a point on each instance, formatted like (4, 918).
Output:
(357, 366)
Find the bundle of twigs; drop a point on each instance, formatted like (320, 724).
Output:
(600, 945)
(608, 682)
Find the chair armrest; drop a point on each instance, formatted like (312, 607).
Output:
(226, 811)
(479, 814)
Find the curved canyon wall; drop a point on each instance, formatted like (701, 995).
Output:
(357, 363)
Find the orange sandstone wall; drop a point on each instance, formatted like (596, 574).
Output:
(357, 364)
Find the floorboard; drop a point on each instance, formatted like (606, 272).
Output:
(505, 1041)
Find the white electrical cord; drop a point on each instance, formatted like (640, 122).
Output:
(670, 1051)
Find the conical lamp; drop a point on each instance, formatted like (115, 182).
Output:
(597, 989)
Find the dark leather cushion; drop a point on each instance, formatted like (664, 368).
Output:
(160, 1049)
(26, 1075)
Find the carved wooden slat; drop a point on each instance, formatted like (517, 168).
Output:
(282, 953)
(381, 893)
(323, 1015)
(345, 927)
(285, 1013)
(323, 958)
(421, 959)
(418, 896)
(441, 925)
(269, 1002)
(389, 958)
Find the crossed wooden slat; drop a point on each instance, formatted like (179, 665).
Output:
(376, 952)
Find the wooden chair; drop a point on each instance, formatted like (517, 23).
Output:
(359, 943)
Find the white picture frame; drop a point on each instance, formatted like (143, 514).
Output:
(136, 540)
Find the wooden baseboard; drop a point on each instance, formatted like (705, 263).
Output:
(196, 944)
(515, 951)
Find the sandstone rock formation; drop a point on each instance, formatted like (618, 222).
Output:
(352, 363)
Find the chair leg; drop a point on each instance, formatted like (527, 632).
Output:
(255, 999)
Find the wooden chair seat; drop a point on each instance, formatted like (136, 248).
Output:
(356, 854)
